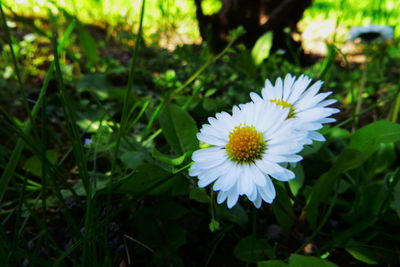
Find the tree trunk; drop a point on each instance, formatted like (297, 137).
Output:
(257, 17)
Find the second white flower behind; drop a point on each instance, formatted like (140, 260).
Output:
(246, 150)
(307, 105)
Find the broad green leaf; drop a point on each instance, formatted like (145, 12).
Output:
(367, 139)
(382, 159)
(262, 48)
(311, 149)
(177, 185)
(179, 129)
(99, 84)
(362, 145)
(132, 159)
(167, 159)
(296, 260)
(236, 215)
(363, 254)
(338, 133)
(34, 163)
(99, 182)
(144, 179)
(252, 249)
(272, 263)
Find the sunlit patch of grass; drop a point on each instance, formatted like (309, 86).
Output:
(173, 22)
(163, 18)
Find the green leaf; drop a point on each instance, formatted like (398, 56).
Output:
(211, 6)
(283, 209)
(362, 145)
(338, 133)
(34, 163)
(296, 184)
(179, 129)
(343, 237)
(252, 249)
(145, 179)
(236, 33)
(272, 263)
(375, 133)
(363, 254)
(102, 181)
(177, 185)
(382, 159)
(200, 195)
(262, 48)
(88, 45)
(100, 85)
(371, 206)
(236, 215)
(296, 260)
(168, 160)
(132, 159)
(214, 225)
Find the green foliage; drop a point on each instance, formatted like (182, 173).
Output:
(296, 260)
(252, 249)
(89, 46)
(235, 215)
(34, 163)
(303, 261)
(364, 255)
(362, 145)
(179, 129)
(283, 209)
(261, 49)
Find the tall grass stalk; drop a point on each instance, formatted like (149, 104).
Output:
(396, 108)
(16, 154)
(89, 241)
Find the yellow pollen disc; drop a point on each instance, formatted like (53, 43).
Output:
(284, 104)
(245, 144)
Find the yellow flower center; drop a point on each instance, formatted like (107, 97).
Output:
(284, 104)
(245, 144)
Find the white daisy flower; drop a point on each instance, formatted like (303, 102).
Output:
(307, 106)
(371, 33)
(246, 149)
